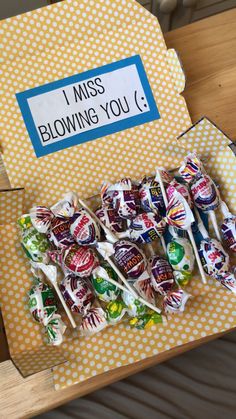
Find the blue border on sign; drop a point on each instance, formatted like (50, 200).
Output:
(95, 133)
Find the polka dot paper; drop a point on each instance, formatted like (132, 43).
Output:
(57, 42)
(69, 38)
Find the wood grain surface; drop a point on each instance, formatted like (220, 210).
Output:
(208, 53)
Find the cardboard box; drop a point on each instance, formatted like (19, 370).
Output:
(57, 49)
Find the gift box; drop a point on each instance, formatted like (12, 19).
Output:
(91, 93)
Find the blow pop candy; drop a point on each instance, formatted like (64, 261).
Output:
(151, 198)
(172, 185)
(181, 257)
(84, 228)
(110, 218)
(43, 308)
(228, 227)
(80, 299)
(179, 215)
(203, 190)
(123, 196)
(35, 244)
(145, 228)
(162, 278)
(55, 222)
(104, 289)
(214, 258)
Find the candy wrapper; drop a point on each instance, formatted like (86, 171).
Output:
(228, 227)
(43, 307)
(175, 301)
(191, 168)
(150, 195)
(77, 294)
(214, 258)
(204, 193)
(115, 311)
(80, 299)
(145, 228)
(228, 280)
(35, 244)
(133, 306)
(147, 320)
(104, 290)
(110, 218)
(84, 228)
(161, 274)
(130, 258)
(80, 260)
(181, 257)
(56, 221)
(123, 196)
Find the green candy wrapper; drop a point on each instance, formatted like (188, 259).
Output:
(147, 320)
(115, 310)
(35, 244)
(104, 290)
(43, 307)
(134, 307)
(181, 257)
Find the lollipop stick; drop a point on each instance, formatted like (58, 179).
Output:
(215, 225)
(67, 310)
(121, 287)
(190, 234)
(107, 231)
(163, 191)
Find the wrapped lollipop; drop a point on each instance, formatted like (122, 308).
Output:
(84, 229)
(151, 198)
(115, 311)
(43, 308)
(228, 280)
(35, 244)
(110, 218)
(181, 257)
(80, 299)
(162, 279)
(123, 197)
(172, 185)
(55, 222)
(214, 258)
(146, 228)
(179, 215)
(104, 289)
(228, 227)
(203, 190)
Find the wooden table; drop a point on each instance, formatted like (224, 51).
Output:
(208, 52)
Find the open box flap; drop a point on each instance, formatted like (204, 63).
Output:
(176, 70)
(25, 338)
(68, 38)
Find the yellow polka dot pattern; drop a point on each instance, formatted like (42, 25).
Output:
(11, 205)
(176, 70)
(68, 38)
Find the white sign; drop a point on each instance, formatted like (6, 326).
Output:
(114, 95)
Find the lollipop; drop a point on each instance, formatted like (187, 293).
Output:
(80, 299)
(35, 244)
(123, 196)
(104, 289)
(228, 280)
(84, 228)
(130, 258)
(110, 218)
(228, 227)
(203, 190)
(43, 308)
(150, 195)
(179, 215)
(115, 310)
(145, 228)
(214, 258)
(79, 260)
(56, 221)
(162, 278)
(181, 257)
